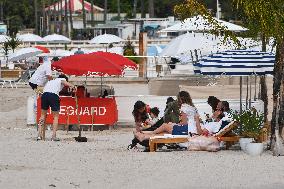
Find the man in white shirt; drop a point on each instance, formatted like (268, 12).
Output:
(50, 98)
(41, 75)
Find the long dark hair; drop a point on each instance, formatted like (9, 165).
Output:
(184, 97)
(213, 102)
(138, 116)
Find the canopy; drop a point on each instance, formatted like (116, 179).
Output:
(198, 23)
(24, 53)
(106, 39)
(42, 48)
(189, 42)
(76, 6)
(117, 59)
(236, 63)
(29, 37)
(55, 38)
(87, 65)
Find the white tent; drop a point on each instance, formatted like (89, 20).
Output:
(198, 23)
(55, 38)
(185, 43)
(106, 39)
(29, 37)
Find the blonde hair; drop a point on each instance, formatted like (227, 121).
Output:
(184, 98)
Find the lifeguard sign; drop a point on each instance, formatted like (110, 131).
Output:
(92, 110)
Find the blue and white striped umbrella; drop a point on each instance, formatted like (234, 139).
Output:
(236, 63)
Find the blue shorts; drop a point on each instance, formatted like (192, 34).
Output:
(50, 100)
(180, 130)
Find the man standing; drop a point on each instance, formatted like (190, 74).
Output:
(50, 98)
(41, 75)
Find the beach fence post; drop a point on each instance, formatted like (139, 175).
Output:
(143, 40)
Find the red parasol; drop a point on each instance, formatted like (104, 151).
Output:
(87, 64)
(43, 49)
(117, 59)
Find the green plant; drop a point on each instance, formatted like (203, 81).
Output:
(14, 43)
(251, 123)
(6, 47)
(128, 50)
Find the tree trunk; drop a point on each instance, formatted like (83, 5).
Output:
(143, 15)
(66, 19)
(263, 93)
(84, 14)
(71, 17)
(134, 8)
(36, 17)
(118, 9)
(1, 11)
(105, 11)
(43, 12)
(151, 9)
(277, 81)
(92, 13)
(48, 25)
(55, 16)
(61, 17)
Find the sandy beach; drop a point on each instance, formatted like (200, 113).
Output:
(105, 162)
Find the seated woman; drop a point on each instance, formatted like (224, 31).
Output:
(154, 118)
(210, 128)
(189, 121)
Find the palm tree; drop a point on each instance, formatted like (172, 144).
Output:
(151, 8)
(84, 13)
(134, 8)
(118, 9)
(92, 13)
(143, 15)
(105, 11)
(71, 17)
(36, 18)
(1, 10)
(61, 17)
(44, 17)
(66, 19)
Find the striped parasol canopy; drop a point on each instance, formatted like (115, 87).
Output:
(236, 63)
(76, 6)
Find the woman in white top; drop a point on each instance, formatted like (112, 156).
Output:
(50, 98)
(189, 120)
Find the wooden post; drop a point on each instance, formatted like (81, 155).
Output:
(143, 52)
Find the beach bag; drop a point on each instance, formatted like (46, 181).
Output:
(203, 143)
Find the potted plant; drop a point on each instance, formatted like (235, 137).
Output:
(251, 124)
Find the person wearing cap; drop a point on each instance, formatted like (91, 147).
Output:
(50, 98)
(189, 121)
(41, 75)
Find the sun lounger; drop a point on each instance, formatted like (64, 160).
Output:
(224, 135)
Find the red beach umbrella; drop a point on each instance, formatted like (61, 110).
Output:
(87, 65)
(43, 49)
(117, 59)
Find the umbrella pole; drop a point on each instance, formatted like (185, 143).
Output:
(79, 138)
(101, 85)
(247, 95)
(241, 91)
(255, 78)
(249, 92)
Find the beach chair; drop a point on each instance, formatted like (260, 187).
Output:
(226, 135)
(21, 80)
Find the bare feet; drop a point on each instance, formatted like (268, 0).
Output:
(139, 136)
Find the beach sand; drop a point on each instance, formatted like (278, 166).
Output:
(104, 161)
